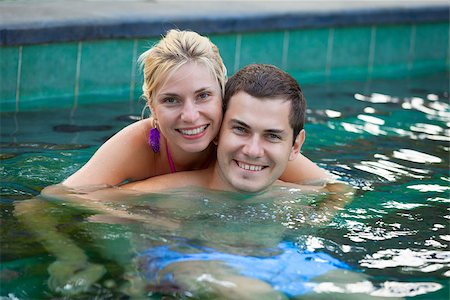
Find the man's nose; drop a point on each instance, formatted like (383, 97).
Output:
(254, 147)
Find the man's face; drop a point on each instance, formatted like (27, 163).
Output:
(255, 143)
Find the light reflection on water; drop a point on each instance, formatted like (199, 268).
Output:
(390, 141)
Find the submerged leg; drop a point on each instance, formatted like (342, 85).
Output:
(213, 279)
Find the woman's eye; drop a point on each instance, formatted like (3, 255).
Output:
(170, 100)
(203, 96)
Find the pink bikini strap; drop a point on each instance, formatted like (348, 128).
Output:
(169, 157)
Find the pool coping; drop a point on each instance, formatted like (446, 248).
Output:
(23, 23)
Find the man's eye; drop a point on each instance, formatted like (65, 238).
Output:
(239, 129)
(273, 137)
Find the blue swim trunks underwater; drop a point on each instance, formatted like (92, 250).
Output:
(288, 272)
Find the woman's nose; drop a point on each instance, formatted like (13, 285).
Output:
(190, 112)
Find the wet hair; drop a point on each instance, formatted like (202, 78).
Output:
(268, 81)
(173, 51)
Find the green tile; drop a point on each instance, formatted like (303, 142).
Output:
(9, 59)
(105, 68)
(389, 71)
(348, 73)
(264, 47)
(227, 49)
(351, 47)
(429, 67)
(307, 50)
(309, 76)
(431, 42)
(48, 71)
(7, 106)
(49, 102)
(392, 45)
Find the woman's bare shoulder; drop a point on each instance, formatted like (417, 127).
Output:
(136, 130)
(124, 156)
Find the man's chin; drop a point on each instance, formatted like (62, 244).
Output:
(250, 188)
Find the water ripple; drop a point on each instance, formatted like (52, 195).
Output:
(429, 188)
(371, 119)
(377, 234)
(376, 98)
(390, 170)
(402, 206)
(406, 289)
(420, 260)
(416, 156)
(385, 289)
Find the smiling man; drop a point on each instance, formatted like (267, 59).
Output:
(262, 129)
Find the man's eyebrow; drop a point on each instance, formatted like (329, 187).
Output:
(278, 131)
(238, 122)
(270, 131)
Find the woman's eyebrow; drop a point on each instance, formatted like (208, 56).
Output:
(207, 88)
(168, 94)
(176, 94)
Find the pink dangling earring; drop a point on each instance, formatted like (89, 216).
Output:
(153, 137)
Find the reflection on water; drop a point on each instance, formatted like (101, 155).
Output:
(389, 139)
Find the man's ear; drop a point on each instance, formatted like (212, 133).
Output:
(295, 150)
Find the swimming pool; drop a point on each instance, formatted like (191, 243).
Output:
(388, 138)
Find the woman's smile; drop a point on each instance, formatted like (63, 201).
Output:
(194, 132)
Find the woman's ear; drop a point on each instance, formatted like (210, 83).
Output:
(295, 150)
(152, 109)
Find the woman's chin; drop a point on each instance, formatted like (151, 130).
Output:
(195, 147)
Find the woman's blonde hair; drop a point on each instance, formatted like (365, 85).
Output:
(174, 50)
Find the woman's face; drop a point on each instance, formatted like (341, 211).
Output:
(188, 107)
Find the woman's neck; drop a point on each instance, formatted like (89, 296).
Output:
(188, 161)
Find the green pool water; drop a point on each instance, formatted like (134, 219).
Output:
(387, 138)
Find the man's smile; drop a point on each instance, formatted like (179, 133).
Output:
(250, 167)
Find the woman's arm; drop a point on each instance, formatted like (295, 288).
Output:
(304, 171)
(71, 273)
(125, 156)
(104, 200)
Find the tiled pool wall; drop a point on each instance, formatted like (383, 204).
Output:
(69, 74)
